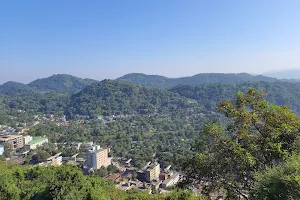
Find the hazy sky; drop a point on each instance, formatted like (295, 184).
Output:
(106, 39)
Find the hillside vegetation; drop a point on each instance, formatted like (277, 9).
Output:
(210, 95)
(65, 183)
(56, 83)
(114, 98)
(61, 83)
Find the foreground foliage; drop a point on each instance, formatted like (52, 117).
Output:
(260, 136)
(66, 183)
(279, 182)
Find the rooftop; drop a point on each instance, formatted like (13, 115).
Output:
(37, 139)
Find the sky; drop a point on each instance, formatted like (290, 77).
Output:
(106, 39)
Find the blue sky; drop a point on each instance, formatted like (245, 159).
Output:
(106, 39)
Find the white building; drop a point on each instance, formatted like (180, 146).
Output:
(1, 149)
(36, 142)
(173, 180)
(98, 157)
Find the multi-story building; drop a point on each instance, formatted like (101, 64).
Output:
(152, 172)
(98, 157)
(149, 172)
(16, 141)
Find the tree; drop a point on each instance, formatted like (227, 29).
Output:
(8, 150)
(102, 172)
(279, 182)
(112, 169)
(260, 135)
(2, 158)
(40, 156)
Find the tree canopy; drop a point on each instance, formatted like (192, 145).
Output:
(260, 136)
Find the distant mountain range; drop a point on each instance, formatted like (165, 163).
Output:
(71, 84)
(206, 78)
(285, 74)
(131, 93)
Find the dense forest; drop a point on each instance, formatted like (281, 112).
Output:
(114, 98)
(210, 95)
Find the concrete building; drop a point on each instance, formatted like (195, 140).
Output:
(98, 157)
(163, 176)
(173, 180)
(149, 173)
(36, 142)
(55, 160)
(1, 149)
(27, 139)
(16, 141)
(152, 172)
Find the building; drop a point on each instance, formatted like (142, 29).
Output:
(27, 139)
(163, 176)
(16, 141)
(98, 157)
(55, 160)
(1, 149)
(152, 172)
(36, 142)
(149, 173)
(173, 180)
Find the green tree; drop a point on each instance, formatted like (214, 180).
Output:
(112, 169)
(261, 135)
(278, 182)
(39, 156)
(8, 150)
(2, 158)
(102, 172)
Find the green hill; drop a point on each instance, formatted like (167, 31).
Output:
(14, 88)
(210, 95)
(110, 97)
(206, 78)
(61, 83)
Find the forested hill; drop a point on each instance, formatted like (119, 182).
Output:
(55, 83)
(110, 97)
(210, 95)
(205, 78)
(61, 83)
(14, 88)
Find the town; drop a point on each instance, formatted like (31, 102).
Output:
(19, 147)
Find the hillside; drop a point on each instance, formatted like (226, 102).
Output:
(110, 97)
(210, 95)
(164, 82)
(61, 83)
(14, 88)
